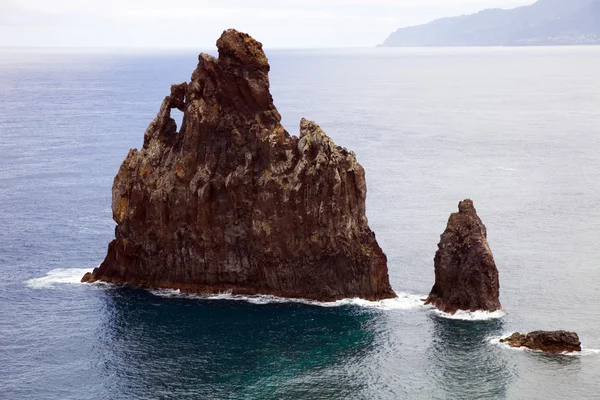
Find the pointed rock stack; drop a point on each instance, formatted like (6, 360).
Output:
(466, 277)
(232, 202)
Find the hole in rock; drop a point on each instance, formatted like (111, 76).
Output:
(178, 117)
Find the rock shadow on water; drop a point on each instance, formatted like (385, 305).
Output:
(188, 348)
(464, 362)
(570, 361)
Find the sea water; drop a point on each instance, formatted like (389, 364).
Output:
(517, 130)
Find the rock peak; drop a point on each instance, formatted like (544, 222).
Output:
(466, 206)
(239, 48)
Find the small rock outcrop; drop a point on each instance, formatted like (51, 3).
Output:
(466, 277)
(231, 202)
(550, 342)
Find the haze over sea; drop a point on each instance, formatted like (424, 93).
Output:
(515, 129)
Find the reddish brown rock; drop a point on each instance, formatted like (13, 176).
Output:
(88, 277)
(232, 202)
(550, 342)
(466, 277)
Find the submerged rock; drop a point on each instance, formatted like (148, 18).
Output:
(466, 277)
(232, 202)
(550, 342)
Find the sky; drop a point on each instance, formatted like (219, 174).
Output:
(198, 23)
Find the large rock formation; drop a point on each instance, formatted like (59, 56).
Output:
(466, 277)
(232, 202)
(550, 342)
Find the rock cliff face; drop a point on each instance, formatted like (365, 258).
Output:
(232, 202)
(466, 277)
(550, 342)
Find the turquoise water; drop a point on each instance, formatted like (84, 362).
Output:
(516, 130)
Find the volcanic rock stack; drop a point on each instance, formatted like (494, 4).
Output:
(466, 277)
(232, 202)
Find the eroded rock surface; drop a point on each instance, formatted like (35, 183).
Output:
(466, 277)
(550, 342)
(232, 202)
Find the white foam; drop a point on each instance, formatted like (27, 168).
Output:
(496, 340)
(404, 301)
(588, 352)
(58, 276)
(168, 293)
(471, 315)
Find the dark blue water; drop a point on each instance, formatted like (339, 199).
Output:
(516, 130)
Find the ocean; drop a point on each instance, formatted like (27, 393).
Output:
(515, 129)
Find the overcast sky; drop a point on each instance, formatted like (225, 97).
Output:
(198, 23)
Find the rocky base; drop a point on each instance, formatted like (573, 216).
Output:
(549, 342)
(201, 289)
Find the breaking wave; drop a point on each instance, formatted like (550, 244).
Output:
(72, 276)
(471, 315)
(404, 301)
(56, 277)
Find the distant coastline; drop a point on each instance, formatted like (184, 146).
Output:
(544, 23)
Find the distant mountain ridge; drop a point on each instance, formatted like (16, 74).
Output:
(546, 22)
